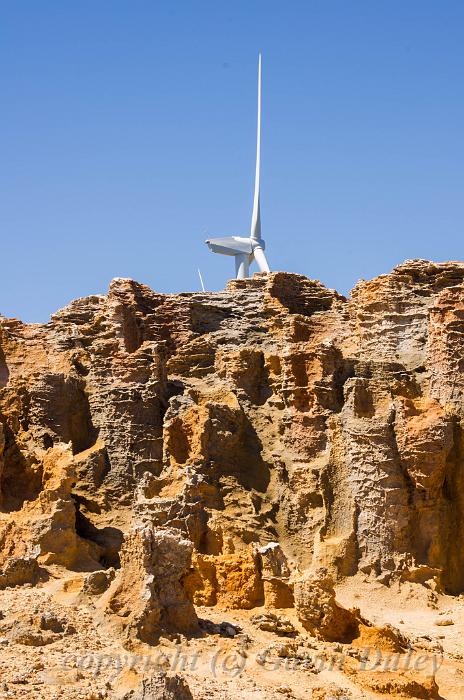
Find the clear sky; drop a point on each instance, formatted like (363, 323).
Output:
(127, 135)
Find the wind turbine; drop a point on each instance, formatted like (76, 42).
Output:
(245, 250)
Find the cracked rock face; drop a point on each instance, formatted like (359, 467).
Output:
(319, 612)
(147, 596)
(252, 434)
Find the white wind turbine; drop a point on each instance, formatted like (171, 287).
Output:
(245, 250)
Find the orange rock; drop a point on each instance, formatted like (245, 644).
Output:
(239, 585)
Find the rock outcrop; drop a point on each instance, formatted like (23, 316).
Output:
(147, 596)
(319, 612)
(220, 449)
(160, 688)
(276, 411)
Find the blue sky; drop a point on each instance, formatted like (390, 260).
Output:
(127, 134)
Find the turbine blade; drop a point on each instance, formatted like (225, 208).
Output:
(261, 260)
(201, 280)
(230, 245)
(256, 216)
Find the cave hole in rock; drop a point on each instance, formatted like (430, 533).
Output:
(108, 538)
(207, 318)
(80, 368)
(21, 478)
(82, 432)
(4, 371)
(59, 405)
(47, 441)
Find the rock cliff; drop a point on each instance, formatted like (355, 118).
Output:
(220, 449)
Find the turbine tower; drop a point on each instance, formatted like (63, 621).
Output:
(245, 250)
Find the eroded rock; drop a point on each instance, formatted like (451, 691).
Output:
(147, 596)
(276, 406)
(17, 571)
(251, 434)
(268, 622)
(160, 687)
(97, 582)
(275, 573)
(319, 612)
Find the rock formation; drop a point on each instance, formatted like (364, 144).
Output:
(160, 688)
(320, 613)
(148, 596)
(218, 449)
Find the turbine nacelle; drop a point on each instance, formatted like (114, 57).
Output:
(244, 250)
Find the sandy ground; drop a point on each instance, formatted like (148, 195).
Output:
(82, 659)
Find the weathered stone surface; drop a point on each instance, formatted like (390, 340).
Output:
(2, 448)
(331, 692)
(219, 449)
(147, 596)
(385, 639)
(160, 687)
(231, 581)
(403, 684)
(200, 582)
(319, 612)
(44, 529)
(274, 411)
(97, 582)
(239, 583)
(269, 622)
(37, 630)
(275, 572)
(19, 570)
